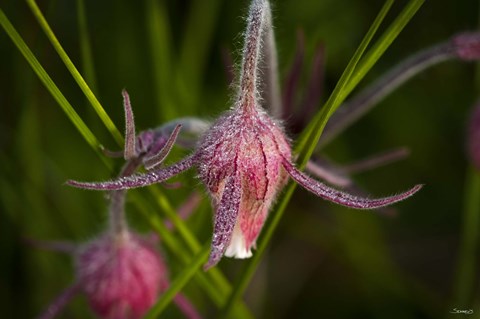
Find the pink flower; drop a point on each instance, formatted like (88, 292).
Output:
(121, 276)
(245, 158)
(240, 162)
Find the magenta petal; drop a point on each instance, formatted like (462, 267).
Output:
(130, 149)
(225, 220)
(159, 157)
(342, 198)
(134, 181)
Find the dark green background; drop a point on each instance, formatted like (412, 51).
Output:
(324, 261)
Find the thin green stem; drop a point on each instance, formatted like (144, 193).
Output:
(213, 282)
(247, 274)
(312, 134)
(192, 243)
(180, 281)
(371, 57)
(467, 265)
(171, 214)
(383, 43)
(465, 280)
(76, 75)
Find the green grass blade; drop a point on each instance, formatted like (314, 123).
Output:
(171, 214)
(371, 57)
(85, 47)
(383, 43)
(466, 268)
(169, 241)
(467, 261)
(76, 75)
(180, 281)
(51, 87)
(307, 143)
(214, 275)
(247, 274)
(214, 283)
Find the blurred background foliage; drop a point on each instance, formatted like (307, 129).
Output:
(324, 261)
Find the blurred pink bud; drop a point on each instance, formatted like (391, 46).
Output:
(120, 275)
(473, 138)
(467, 46)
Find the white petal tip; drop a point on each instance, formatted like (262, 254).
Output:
(239, 254)
(236, 248)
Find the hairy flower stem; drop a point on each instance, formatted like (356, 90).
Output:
(362, 103)
(269, 69)
(140, 150)
(248, 92)
(117, 220)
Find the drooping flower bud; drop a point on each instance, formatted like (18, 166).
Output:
(242, 156)
(120, 276)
